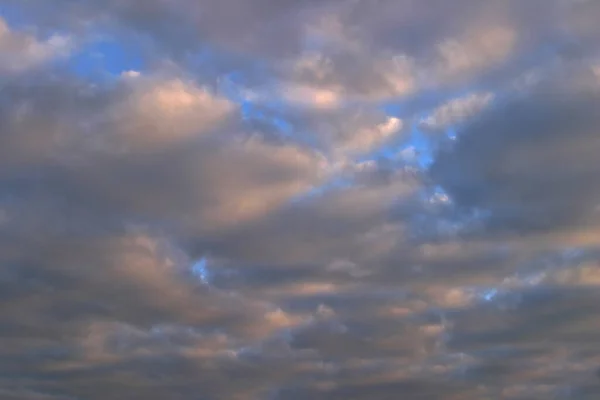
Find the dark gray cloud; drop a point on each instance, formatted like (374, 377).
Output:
(531, 160)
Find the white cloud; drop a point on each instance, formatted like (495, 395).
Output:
(320, 98)
(365, 139)
(456, 111)
(160, 112)
(20, 51)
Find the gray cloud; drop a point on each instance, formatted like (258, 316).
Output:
(242, 219)
(531, 161)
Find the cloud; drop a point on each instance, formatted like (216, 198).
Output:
(349, 79)
(20, 51)
(286, 200)
(110, 139)
(319, 98)
(480, 48)
(160, 106)
(367, 139)
(517, 161)
(456, 111)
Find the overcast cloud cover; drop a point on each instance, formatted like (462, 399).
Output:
(299, 199)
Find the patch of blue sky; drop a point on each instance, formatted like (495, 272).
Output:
(105, 58)
(252, 112)
(280, 116)
(416, 142)
(452, 133)
(282, 125)
(200, 270)
(393, 108)
(231, 85)
(234, 86)
(248, 110)
(489, 294)
(423, 148)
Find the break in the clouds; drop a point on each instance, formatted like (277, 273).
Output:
(229, 199)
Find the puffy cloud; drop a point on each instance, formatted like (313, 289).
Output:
(110, 139)
(20, 51)
(365, 140)
(171, 110)
(348, 78)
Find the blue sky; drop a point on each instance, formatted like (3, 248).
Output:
(105, 57)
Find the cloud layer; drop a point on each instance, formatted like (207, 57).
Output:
(285, 200)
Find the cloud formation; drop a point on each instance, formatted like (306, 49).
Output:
(20, 51)
(372, 199)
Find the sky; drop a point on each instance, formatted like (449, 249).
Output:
(299, 199)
